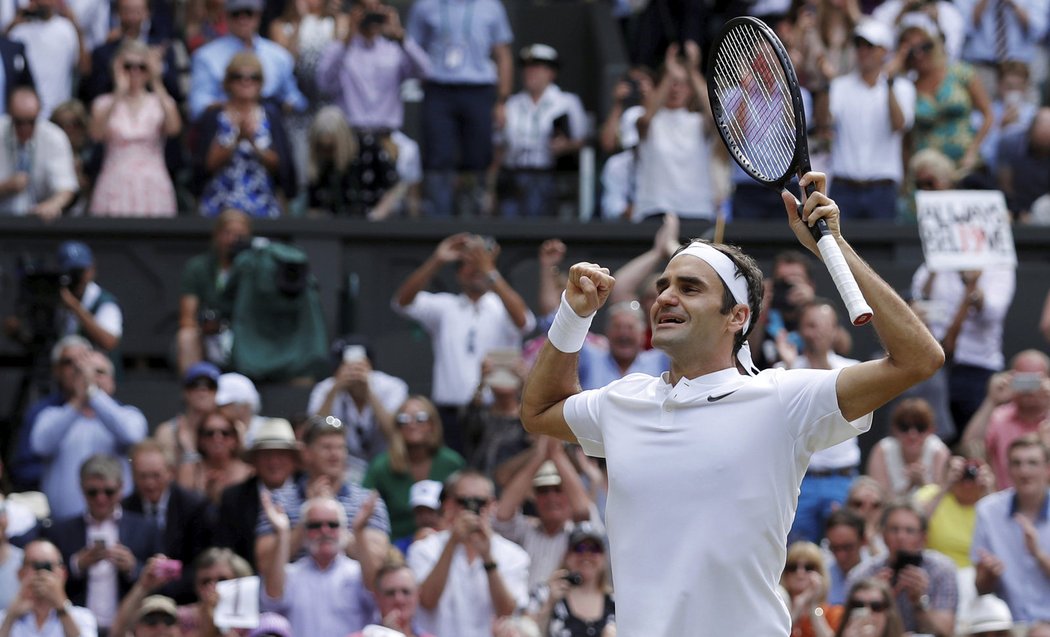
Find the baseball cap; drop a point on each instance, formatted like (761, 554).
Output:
(203, 369)
(74, 255)
(985, 614)
(874, 32)
(547, 475)
(585, 531)
(157, 604)
(539, 54)
(237, 388)
(425, 493)
(244, 5)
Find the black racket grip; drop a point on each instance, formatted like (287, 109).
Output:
(820, 228)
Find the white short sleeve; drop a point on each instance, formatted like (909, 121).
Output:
(427, 307)
(110, 318)
(810, 399)
(581, 413)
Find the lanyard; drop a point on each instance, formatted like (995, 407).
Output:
(446, 20)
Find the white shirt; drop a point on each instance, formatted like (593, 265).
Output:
(25, 626)
(980, 341)
(51, 167)
(530, 125)
(462, 333)
(846, 454)
(702, 493)
(546, 551)
(103, 591)
(465, 608)
(53, 50)
(93, 16)
(865, 146)
(674, 167)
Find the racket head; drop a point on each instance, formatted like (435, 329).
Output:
(756, 102)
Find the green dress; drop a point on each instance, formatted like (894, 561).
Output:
(394, 487)
(943, 121)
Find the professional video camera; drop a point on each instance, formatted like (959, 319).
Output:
(39, 285)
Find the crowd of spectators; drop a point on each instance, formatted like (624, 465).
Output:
(236, 103)
(437, 514)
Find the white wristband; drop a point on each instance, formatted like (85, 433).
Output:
(569, 329)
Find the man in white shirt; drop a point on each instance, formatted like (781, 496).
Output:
(37, 174)
(734, 447)
(362, 398)
(41, 608)
(544, 123)
(486, 314)
(53, 49)
(469, 575)
(870, 112)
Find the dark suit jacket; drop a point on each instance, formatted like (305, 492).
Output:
(238, 513)
(16, 67)
(134, 531)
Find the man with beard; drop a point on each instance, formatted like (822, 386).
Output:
(323, 592)
(487, 314)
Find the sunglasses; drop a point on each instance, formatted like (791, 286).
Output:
(94, 493)
(135, 66)
(419, 417)
(864, 504)
(28, 121)
(588, 547)
(875, 607)
(157, 619)
(792, 567)
(472, 504)
(208, 581)
(242, 13)
(313, 526)
(547, 490)
(905, 427)
(925, 184)
(215, 433)
(862, 43)
(254, 77)
(45, 566)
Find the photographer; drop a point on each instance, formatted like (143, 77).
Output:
(89, 310)
(202, 334)
(41, 607)
(951, 507)
(577, 600)
(923, 581)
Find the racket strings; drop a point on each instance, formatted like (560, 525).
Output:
(758, 115)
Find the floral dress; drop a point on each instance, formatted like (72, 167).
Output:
(134, 181)
(243, 183)
(943, 121)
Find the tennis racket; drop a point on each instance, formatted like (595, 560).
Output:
(757, 108)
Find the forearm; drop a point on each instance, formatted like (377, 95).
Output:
(172, 119)
(95, 333)
(70, 628)
(269, 159)
(553, 378)
(936, 622)
(126, 424)
(512, 301)
(218, 156)
(329, 399)
(973, 435)
(504, 71)
(128, 606)
(416, 281)
(502, 601)
(609, 137)
(631, 275)
(274, 573)
(517, 489)
(572, 487)
(550, 287)
(433, 586)
(896, 114)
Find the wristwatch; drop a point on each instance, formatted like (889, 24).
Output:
(924, 602)
(64, 608)
(489, 566)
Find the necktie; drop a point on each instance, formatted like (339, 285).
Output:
(1000, 31)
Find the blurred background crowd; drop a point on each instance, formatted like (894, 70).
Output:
(382, 477)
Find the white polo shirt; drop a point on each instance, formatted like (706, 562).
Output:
(462, 332)
(702, 492)
(673, 169)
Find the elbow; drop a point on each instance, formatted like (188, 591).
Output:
(428, 600)
(929, 363)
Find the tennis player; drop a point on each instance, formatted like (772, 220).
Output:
(705, 462)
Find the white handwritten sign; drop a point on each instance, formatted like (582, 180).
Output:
(238, 605)
(965, 229)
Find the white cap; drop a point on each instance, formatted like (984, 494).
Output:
(875, 32)
(237, 388)
(919, 20)
(985, 614)
(425, 493)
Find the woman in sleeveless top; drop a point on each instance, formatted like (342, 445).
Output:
(912, 455)
(577, 600)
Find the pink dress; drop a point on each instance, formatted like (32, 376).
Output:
(134, 180)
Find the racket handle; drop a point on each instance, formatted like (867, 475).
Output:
(859, 310)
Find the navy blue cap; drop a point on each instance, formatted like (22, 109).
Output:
(203, 369)
(74, 255)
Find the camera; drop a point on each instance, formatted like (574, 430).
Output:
(970, 471)
(574, 579)
(907, 558)
(373, 19)
(474, 505)
(1025, 382)
(42, 566)
(781, 290)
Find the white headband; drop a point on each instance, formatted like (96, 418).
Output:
(737, 286)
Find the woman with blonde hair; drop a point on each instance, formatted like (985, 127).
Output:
(870, 611)
(577, 600)
(332, 149)
(805, 579)
(912, 456)
(133, 122)
(416, 452)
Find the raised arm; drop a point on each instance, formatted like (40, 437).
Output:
(633, 273)
(484, 259)
(449, 250)
(515, 491)
(913, 354)
(273, 574)
(554, 375)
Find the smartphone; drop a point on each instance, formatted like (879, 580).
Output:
(907, 558)
(169, 569)
(354, 354)
(1025, 382)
